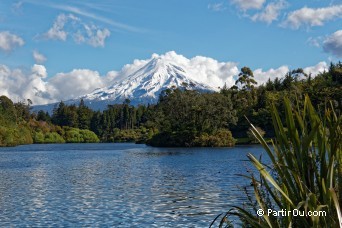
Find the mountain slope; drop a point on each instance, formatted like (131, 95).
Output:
(141, 87)
(146, 84)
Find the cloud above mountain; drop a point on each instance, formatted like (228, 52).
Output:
(318, 68)
(35, 84)
(75, 83)
(20, 85)
(204, 69)
(262, 76)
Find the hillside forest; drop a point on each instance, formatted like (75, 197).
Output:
(181, 117)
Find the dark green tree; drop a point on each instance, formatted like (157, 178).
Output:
(84, 115)
(246, 79)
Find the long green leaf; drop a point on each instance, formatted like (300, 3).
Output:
(267, 176)
(337, 205)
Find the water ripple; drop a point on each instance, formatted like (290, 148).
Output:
(118, 185)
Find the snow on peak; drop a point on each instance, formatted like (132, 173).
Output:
(145, 84)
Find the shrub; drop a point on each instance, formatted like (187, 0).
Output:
(222, 138)
(89, 136)
(53, 137)
(38, 137)
(23, 135)
(7, 137)
(72, 135)
(75, 135)
(16, 135)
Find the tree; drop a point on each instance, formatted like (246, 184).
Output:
(246, 79)
(7, 110)
(43, 116)
(65, 115)
(84, 115)
(336, 72)
(182, 115)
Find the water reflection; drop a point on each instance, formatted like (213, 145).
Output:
(118, 185)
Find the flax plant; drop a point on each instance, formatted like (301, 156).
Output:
(305, 172)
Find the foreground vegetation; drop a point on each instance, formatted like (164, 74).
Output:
(305, 173)
(180, 118)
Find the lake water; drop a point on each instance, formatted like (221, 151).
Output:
(119, 185)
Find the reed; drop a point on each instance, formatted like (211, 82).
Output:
(305, 172)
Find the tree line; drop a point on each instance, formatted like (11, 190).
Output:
(181, 117)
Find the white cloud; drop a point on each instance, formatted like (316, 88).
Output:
(201, 69)
(19, 85)
(314, 41)
(75, 83)
(271, 12)
(9, 41)
(312, 17)
(84, 13)
(81, 32)
(35, 84)
(92, 35)
(216, 7)
(41, 89)
(127, 69)
(56, 32)
(318, 68)
(333, 44)
(249, 4)
(212, 72)
(262, 76)
(110, 77)
(38, 57)
(39, 70)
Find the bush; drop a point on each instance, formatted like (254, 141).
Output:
(53, 137)
(7, 137)
(23, 135)
(38, 137)
(222, 138)
(13, 136)
(75, 135)
(89, 136)
(72, 135)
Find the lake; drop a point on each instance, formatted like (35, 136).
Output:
(119, 185)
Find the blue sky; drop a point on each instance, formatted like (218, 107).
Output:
(105, 35)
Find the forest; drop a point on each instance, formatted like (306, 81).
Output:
(180, 118)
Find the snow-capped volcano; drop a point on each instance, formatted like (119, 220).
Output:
(146, 84)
